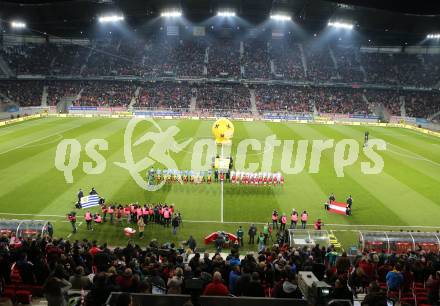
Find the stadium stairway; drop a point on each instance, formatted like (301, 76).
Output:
(402, 106)
(44, 97)
(193, 104)
(253, 102)
(303, 58)
(332, 56)
(4, 67)
(135, 97)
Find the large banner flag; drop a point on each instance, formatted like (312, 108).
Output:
(337, 208)
(90, 201)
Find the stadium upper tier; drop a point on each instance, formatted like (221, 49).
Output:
(234, 97)
(249, 59)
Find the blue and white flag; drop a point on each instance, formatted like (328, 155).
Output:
(90, 201)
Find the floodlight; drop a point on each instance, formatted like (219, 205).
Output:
(18, 25)
(433, 36)
(173, 13)
(280, 17)
(226, 13)
(110, 18)
(340, 25)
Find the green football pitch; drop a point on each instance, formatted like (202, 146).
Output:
(404, 195)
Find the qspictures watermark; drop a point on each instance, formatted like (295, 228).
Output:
(164, 142)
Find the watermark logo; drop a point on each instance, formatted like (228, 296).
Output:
(294, 154)
(163, 143)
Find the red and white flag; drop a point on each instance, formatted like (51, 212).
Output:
(337, 208)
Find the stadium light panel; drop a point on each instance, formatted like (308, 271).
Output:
(280, 17)
(172, 14)
(226, 13)
(340, 25)
(18, 25)
(110, 18)
(433, 36)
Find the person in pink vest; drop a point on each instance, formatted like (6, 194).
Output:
(283, 222)
(161, 214)
(166, 217)
(145, 213)
(127, 213)
(293, 219)
(275, 219)
(138, 213)
(88, 218)
(304, 217)
(111, 212)
(97, 218)
(151, 213)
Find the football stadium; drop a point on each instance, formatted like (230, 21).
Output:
(219, 152)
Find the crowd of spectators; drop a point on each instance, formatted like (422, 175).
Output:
(172, 56)
(283, 98)
(165, 95)
(349, 68)
(320, 66)
(58, 90)
(234, 97)
(422, 104)
(340, 100)
(60, 263)
(30, 58)
(106, 94)
(256, 60)
(224, 59)
(303, 99)
(25, 93)
(390, 99)
(287, 61)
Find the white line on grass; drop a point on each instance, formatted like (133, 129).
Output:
(246, 222)
(412, 155)
(39, 139)
(70, 235)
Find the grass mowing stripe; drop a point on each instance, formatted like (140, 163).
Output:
(365, 202)
(43, 182)
(38, 160)
(394, 194)
(416, 175)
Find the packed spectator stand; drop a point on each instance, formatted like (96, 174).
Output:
(230, 97)
(35, 266)
(241, 62)
(164, 95)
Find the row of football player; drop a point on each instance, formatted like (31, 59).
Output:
(208, 176)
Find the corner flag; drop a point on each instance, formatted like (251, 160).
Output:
(90, 201)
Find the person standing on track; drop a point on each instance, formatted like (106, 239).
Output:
(275, 219)
(366, 137)
(252, 233)
(88, 217)
(304, 217)
(293, 219)
(72, 219)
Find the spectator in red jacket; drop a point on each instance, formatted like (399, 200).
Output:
(216, 287)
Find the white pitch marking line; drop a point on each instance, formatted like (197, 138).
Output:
(38, 139)
(246, 222)
(70, 235)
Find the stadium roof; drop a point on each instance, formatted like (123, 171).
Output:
(373, 17)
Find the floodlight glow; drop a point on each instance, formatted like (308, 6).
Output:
(110, 18)
(171, 14)
(433, 36)
(18, 25)
(340, 25)
(280, 17)
(225, 14)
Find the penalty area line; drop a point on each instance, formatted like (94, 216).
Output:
(247, 222)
